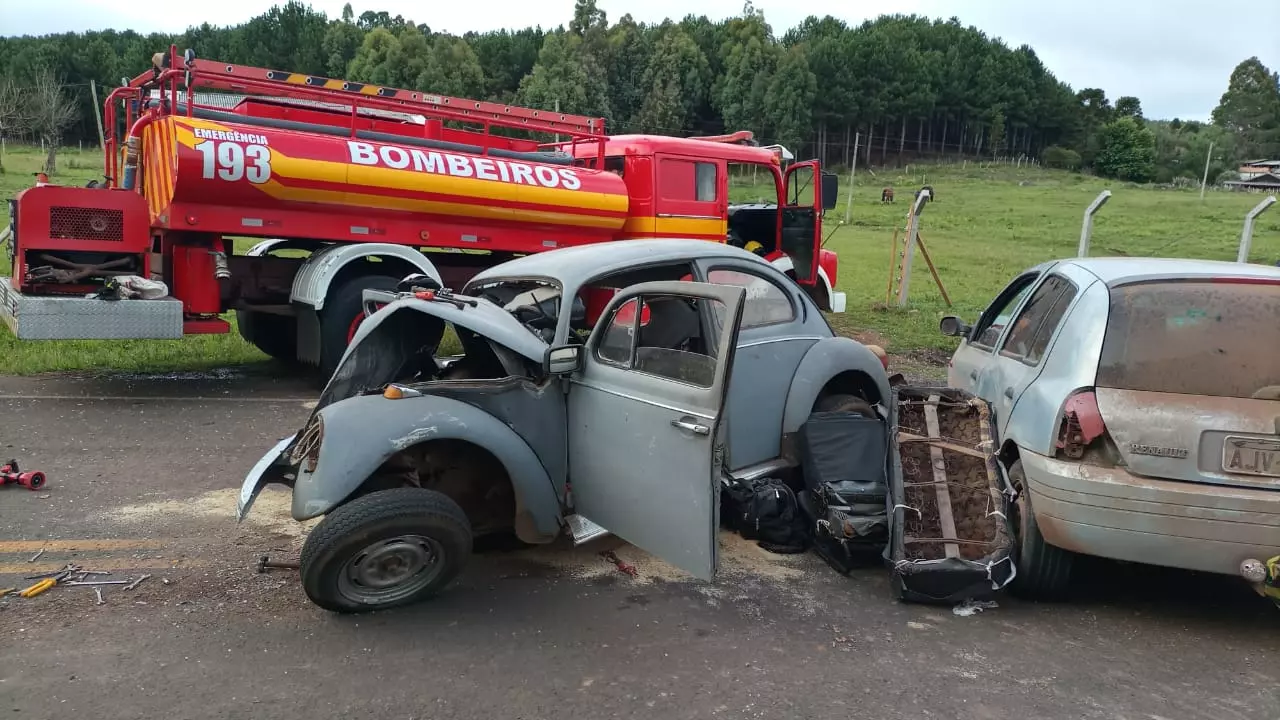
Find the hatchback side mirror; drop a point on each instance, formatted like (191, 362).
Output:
(562, 360)
(952, 325)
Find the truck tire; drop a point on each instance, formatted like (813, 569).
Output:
(342, 313)
(1044, 571)
(275, 335)
(385, 549)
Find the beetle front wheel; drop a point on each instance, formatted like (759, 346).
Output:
(385, 549)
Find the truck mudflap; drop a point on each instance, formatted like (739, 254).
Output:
(951, 539)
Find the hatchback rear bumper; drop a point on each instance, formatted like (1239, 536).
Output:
(1110, 513)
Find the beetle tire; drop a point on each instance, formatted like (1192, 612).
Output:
(1044, 571)
(337, 557)
(343, 303)
(844, 402)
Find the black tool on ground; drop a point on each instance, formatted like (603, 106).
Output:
(11, 474)
(264, 562)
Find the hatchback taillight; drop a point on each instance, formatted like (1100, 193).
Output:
(1082, 431)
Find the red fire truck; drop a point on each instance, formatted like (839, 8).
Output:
(347, 186)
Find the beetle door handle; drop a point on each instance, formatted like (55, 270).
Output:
(973, 375)
(692, 427)
(1008, 392)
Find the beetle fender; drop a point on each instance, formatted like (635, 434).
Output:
(311, 284)
(826, 359)
(360, 433)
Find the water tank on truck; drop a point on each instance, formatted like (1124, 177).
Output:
(232, 175)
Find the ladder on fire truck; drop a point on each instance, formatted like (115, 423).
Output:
(174, 75)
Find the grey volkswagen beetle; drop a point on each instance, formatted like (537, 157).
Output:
(676, 361)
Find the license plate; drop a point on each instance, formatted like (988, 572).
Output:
(1251, 456)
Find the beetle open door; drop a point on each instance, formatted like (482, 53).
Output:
(801, 220)
(646, 436)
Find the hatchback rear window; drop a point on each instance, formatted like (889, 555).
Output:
(1196, 338)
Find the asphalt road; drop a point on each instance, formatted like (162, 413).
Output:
(143, 476)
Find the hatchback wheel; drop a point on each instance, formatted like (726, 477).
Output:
(385, 549)
(1044, 571)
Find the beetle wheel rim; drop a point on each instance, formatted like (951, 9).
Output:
(391, 569)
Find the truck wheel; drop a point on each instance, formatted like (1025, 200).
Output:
(1044, 571)
(844, 402)
(275, 335)
(343, 311)
(385, 549)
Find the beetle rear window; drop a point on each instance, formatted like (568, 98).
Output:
(1196, 338)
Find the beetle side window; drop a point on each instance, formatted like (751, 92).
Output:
(1035, 325)
(992, 323)
(663, 335)
(766, 303)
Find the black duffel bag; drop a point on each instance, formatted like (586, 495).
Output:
(764, 510)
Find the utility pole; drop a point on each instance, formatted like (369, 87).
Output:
(97, 113)
(1205, 180)
(853, 169)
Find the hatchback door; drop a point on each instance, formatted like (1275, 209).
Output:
(977, 349)
(1188, 385)
(1018, 361)
(646, 437)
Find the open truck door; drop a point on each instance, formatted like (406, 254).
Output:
(646, 436)
(801, 219)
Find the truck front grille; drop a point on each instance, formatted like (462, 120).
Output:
(78, 223)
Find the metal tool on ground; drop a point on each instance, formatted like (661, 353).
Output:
(96, 582)
(69, 568)
(264, 562)
(45, 584)
(11, 474)
(5, 591)
(98, 592)
(137, 582)
(35, 557)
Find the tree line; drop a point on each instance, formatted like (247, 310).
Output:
(904, 86)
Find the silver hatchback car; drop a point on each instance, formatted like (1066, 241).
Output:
(1138, 408)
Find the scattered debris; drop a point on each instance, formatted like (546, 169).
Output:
(972, 607)
(35, 557)
(623, 567)
(98, 591)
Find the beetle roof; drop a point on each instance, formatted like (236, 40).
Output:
(1121, 270)
(576, 265)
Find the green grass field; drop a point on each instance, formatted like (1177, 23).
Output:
(988, 224)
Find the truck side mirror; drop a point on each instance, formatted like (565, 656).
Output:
(562, 360)
(830, 189)
(951, 325)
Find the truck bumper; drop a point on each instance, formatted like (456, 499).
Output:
(40, 317)
(1111, 513)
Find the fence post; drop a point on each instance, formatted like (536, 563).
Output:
(1246, 235)
(913, 231)
(1086, 228)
